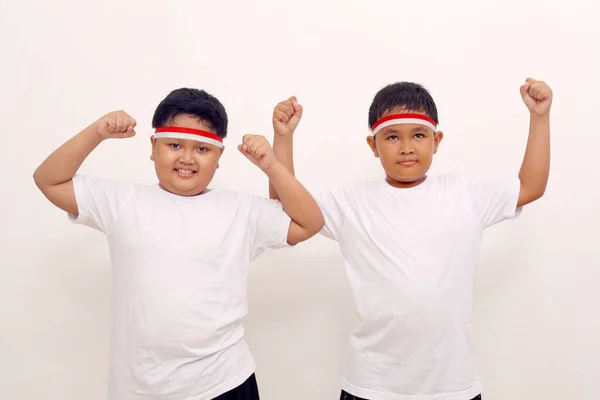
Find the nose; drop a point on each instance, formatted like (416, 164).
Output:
(405, 147)
(186, 156)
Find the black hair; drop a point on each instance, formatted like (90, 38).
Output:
(195, 102)
(402, 94)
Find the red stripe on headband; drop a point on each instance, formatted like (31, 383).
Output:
(403, 116)
(190, 131)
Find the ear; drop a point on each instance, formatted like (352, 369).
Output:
(437, 138)
(373, 145)
(153, 143)
(222, 149)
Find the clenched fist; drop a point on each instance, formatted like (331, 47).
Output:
(257, 149)
(286, 116)
(537, 96)
(116, 124)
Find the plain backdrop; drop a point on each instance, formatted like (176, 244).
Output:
(66, 63)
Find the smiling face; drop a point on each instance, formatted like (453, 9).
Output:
(184, 166)
(405, 150)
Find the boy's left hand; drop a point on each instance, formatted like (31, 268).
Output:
(537, 96)
(286, 117)
(257, 149)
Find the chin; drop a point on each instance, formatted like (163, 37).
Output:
(184, 191)
(405, 178)
(191, 192)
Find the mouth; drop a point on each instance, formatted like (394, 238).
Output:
(407, 163)
(184, 173)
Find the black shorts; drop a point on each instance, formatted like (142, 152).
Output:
(246, 391)
(347, 396)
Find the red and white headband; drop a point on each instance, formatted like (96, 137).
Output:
(175, 132)
(399, 119)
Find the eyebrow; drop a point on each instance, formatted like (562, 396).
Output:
(197, 143)
(393, 130)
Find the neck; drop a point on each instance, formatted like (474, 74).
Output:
(404, 184)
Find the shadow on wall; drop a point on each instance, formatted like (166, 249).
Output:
(300, 317)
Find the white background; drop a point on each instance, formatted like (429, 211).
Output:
(66, 63)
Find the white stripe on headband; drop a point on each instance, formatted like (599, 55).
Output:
(176, 132)
(398, 119)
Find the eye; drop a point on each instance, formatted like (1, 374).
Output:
(392, 137)
(419, 136)
(175, 145)
(202, 149)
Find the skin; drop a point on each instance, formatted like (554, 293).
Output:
(183, 167)
(406, 151)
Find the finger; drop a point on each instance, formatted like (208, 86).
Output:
(542, 90)
(530, 80)
(111, 122)
(255, 146)
(120, 122)
(542, 94)
(247, 138)
(259, 142)
(244, 152)
(260, 150)
(535, 90)
(281, 116)
(286, 108)
(131, 121)
(293, 99)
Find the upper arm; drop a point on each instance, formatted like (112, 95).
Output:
(297, 234)
(527, 196)
(62, 196)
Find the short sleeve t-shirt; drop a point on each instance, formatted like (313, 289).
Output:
(179, 278)
(410, 257)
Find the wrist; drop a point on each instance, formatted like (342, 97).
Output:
(284, 135)
(272, 168)
(92, 134)
(537, 118)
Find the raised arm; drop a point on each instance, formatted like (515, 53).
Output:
(54, 176)
(535, 168)
(286, 117)
(307, 218)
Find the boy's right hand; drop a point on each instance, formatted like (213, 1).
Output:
(115, 125)
(286, 117)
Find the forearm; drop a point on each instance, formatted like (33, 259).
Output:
(295, 199)
(535, 168)
(64, 162)
(283, 146)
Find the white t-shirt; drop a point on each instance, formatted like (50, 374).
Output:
(179, 267)
(410, 257)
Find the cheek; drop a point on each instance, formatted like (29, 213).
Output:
(425, 147)
(208, 161)
(164, 160)
(388, 152)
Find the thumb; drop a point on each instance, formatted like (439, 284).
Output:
(524, 89)
(298, 109)
(293, 99)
